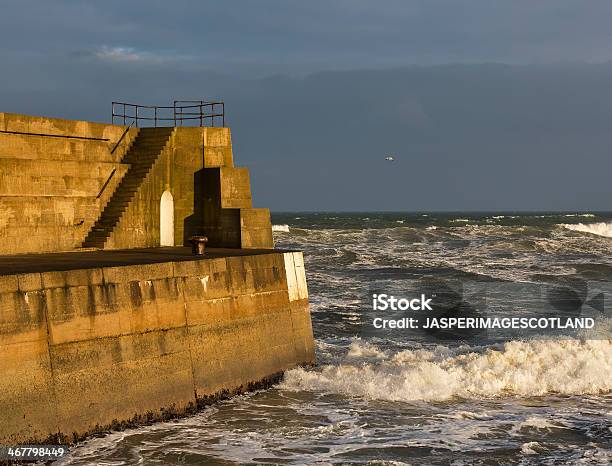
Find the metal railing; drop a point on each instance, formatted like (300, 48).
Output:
(181, 113)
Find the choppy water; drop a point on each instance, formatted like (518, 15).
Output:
(394, 401)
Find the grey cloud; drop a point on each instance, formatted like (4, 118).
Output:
(304, 37)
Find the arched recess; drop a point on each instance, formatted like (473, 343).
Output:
(166, 219)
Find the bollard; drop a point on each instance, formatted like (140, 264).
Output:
(198, 245)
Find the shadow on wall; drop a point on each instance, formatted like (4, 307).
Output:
(221, 226)
(194, 224)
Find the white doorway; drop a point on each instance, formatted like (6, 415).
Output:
(166, 219)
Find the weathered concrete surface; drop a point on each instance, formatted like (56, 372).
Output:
(211, 196)
(51, 187)
(90, 259)
(93, 339)
(228, 217)
(83, 348)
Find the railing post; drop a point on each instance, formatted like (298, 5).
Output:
(136, 116)
(155, 121)
(223, 113)
(174, 112)
(123, 114)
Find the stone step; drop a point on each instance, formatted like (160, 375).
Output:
(110, 219)
(111, 215)
(158, 141)
(143, 156)
(113, 210)
(141, 162)
(118, 205)
(139, 170)
(125, 191)
(123, 197)
(141, 159)
(148, 150)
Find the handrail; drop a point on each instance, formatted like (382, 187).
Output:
(206, 113)
(106, 183)
(166, 106)
(121, 138)
(54, 135)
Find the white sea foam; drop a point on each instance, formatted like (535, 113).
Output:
(600, 229)
(432, 227)
(529, 448)
(281, 228)
(365, 350)
(532, 368)
(536, 422)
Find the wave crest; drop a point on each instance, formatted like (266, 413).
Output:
(281, 228)
(532, 368)
(600, 229)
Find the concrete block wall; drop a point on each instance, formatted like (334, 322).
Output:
(49, 187)
(211, 196)
(229, 218)
(51, 173)
(85, 349)
(176, 170)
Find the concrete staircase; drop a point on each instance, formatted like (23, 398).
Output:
(141, 156)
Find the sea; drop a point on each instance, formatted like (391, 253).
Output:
(380, 397)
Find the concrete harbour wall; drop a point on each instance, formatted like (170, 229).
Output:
(86, 349)
(100, 327)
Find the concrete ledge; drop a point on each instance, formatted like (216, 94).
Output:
(88, 259)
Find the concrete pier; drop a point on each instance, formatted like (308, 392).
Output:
(102, 327)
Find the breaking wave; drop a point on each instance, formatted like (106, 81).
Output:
(518, 368)
(600, 229)
(281, 228)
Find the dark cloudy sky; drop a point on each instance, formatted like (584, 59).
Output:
(487, 105)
